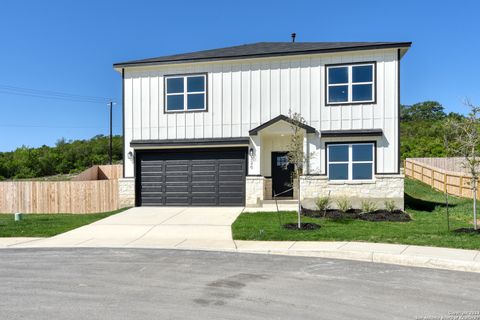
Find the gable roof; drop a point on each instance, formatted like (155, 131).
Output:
(264, 49)
(281, 117)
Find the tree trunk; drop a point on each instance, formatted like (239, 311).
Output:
(299, 205)
(474, 204)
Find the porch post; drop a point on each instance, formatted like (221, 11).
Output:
(306, 151)
(254, 156)
(254, 187)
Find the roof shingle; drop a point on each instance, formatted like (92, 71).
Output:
(262, 49)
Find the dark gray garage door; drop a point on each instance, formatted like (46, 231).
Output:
(196, 177)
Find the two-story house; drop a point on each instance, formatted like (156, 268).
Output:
(212, 127)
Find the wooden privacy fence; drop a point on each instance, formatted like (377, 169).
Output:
(105, 172)
(444, 174)
(76, 196)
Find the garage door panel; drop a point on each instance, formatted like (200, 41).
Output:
(176, 188)
(152, 189)
(183, 177)
(146, 169)
(176, 201)
(152, 163)
(226, 201)
(203, 178)
(154, 201)
(176, 178)
(226, 167)
(203, 167)
(196, 200)
(231, 178)
(225, 188)
(154, 184)
(147, 179)
(157, 175)
(169, 168)
(204, 189)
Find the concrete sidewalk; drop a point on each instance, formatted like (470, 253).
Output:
(209, 228)
(418, 256)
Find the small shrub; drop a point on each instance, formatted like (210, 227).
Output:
(343, 204)
(323, 203)
(368, 206)
(390, 205)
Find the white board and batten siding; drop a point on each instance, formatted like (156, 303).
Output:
(242, 94)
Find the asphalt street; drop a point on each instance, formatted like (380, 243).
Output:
(174, 284)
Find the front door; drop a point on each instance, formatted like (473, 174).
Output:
(282, 174)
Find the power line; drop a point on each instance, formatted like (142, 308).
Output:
(52, 127)
(46, 94)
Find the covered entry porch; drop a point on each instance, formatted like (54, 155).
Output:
(270, 173)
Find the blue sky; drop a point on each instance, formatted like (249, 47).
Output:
(69, 46)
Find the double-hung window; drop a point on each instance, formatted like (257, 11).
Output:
(186, 93)
(353, 83)
(346, 162)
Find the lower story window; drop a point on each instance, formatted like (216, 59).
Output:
(352, 161)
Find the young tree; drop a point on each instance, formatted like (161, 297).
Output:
(296, 154)
(462, 139)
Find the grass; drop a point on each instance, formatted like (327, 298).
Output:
(425, 205)
(46, 225)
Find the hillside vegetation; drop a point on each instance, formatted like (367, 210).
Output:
(65, 157)
(421, 130)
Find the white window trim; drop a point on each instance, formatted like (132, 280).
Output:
(185, 92)
(350, 83)
(350, 162)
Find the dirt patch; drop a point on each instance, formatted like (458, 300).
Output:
(374, 216)
(304, 226)
(467, 230)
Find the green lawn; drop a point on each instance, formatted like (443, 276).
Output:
(46, 225)
(424, 204)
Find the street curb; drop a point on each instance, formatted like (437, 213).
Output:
(386, 258)
(402, 259)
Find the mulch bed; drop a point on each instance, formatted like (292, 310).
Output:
(374, 216)
(467, 230)
(304, 226)
(384, 215)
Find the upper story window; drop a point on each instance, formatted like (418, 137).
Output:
(186, 93)
(350, 84)
(346, 162)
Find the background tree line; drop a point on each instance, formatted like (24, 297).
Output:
(421, 129)
(65, 157)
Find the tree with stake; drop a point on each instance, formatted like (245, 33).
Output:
(462, 139)
(296, 154)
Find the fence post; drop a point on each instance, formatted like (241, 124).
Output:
(445, 182)
(461, 186)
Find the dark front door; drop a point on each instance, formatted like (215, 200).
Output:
(282, 172)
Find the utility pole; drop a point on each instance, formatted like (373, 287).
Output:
(110, 152)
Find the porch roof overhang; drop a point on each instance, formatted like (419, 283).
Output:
(351, 133)
(254, 131)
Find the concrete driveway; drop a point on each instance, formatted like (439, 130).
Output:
(153, 227)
